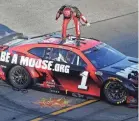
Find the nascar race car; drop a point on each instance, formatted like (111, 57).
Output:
(94, 69)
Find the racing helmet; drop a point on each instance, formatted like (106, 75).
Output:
(67, 12)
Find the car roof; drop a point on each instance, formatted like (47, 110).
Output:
(85, 43)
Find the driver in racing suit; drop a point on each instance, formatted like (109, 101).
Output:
(71, 12)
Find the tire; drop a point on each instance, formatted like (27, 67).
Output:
(19, 77)
(114, 92)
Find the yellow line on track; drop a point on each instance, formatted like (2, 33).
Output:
(64, 110)
(37, 119)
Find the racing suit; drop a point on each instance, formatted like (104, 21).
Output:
(71, 12)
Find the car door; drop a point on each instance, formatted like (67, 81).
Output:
(78, 79)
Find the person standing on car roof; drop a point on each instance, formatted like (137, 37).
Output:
(71, 12)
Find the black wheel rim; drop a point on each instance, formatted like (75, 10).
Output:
(19, 76)
(116, 91)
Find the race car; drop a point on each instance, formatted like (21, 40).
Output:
(93, 69)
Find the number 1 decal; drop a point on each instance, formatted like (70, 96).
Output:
(84, 75)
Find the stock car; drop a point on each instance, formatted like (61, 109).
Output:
(93, 69)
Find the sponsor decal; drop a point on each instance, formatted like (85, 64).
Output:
(114, 79)
(84, 76)
(77, 95)
(53, 103)
(50, 40)
(54, 91)
(34, 63)
(51, 83)
(131, 99)
(3, 66)
(125, 73)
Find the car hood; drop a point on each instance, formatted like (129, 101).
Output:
(123, 68)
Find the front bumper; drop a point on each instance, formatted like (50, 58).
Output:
(132, 98)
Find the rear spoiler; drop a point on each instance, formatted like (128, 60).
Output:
(54, 34)
(12, 36)
(7, 34)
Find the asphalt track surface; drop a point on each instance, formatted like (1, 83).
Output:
(114, 22)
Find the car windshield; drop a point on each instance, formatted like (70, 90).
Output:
(103, 55)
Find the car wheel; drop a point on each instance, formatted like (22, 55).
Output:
(115, 92)
(19, 77)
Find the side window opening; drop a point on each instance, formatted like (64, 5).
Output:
(38, 51)
(70, 57)
(64, 56)
(51, 54)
